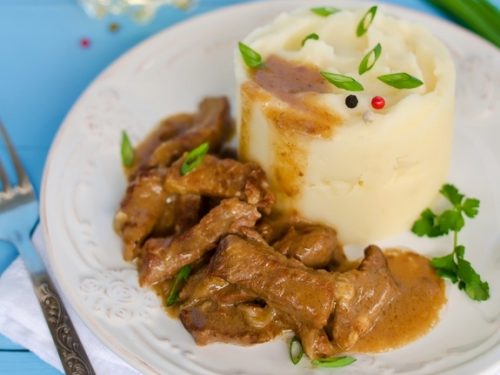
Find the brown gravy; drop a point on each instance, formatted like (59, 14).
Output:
(414, 312)
(288, 92)
(298, 85)
(284, 79)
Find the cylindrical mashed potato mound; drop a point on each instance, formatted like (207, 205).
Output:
(375, 170)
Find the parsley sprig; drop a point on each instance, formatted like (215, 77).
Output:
(454, 266)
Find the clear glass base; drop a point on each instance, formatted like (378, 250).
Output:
(140, 10)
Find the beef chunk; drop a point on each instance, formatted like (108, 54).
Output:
(222, 178)
(140, 210)
(274, 227)
(214, 310)
(315, 342)
(201, 286)
(166, 130)
(210, 125)
(243, 324)
(305, 294)
(346, 304)
(316, 246)
(362, 295)
(181, 212)
(163, 262)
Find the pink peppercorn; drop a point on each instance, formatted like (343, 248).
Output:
(378, 102)
(85, 42)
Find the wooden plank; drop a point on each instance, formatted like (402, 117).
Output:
(6, 344)
(24, 363)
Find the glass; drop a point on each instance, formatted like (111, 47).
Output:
(140, 10)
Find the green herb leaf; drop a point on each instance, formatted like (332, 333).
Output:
(445, 267)
(342, 81)
(460, 251)
(451, 220)
(370, 59)
(313, 36)
(252, 58)
(179, 281)
(324, 11)
(127, 150)
(194, 158)
(295, 350)
(471, 207)
(427, 225)
(366, 21)
(451, 193)
(333, 362)
(471, 282)
(401, 80)
(454, 266)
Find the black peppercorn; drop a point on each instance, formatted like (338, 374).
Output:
(351, 101)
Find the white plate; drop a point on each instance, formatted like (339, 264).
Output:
(83, 184)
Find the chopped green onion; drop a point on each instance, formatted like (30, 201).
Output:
(179, 281)
(313, 36)
(366, 21)
(295, 350)
(251, 57)
(400, 80)
(333, 362)
(370, 59)
(194, 158)
(480, 15)
(342, 81)
(127, 150)
(324, 11)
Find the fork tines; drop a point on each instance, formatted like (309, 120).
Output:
(23, 182)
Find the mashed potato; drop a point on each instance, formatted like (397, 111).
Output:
(367, 172)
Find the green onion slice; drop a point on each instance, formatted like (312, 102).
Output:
(127, 150)
(251, 57)
(313, 36)
(324, 11)
(333, 362)
(342, 81)
(400, 80)
(179, 281)
(370, 59)
(194, 158)
(366, 21)
(295, 350)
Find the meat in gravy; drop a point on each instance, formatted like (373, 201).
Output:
(258, 273)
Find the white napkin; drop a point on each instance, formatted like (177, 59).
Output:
(22, 321)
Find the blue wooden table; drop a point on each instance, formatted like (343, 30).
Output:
(43, 69)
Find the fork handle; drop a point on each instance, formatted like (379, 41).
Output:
(71, 352)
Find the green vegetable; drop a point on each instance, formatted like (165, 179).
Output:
(295, 350)
(310, 36)
(324, 11)
(479, 15)
(370, 59)
(179, 281)
(366, 21)
(252, 58)
(342, 81)
(333, 362)
(127, 150)
(401, 80)
(454, 266)
(194, 158)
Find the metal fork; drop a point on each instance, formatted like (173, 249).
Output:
(18, 216)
